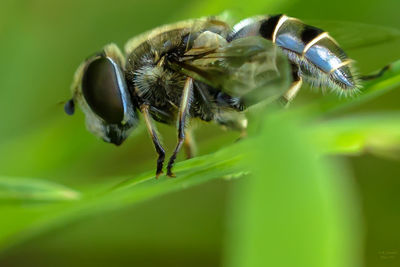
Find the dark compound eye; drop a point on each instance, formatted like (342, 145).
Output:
(102, 84)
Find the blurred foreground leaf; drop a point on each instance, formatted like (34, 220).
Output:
(296, 210)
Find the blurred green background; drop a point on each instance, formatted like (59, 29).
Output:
(43, 42)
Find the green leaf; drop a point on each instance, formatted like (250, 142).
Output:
(297, 209)
(19, 223)
(378, 134)
(17, 190)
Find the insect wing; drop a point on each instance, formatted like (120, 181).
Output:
(251, 68)
(352, 35)
(370, 45)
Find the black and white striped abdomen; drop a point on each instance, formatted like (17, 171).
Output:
(321, 61)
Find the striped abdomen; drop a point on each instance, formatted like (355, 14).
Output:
(320, 60)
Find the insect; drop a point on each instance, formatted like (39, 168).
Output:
(204, 69)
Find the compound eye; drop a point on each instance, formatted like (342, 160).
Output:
(102, 84)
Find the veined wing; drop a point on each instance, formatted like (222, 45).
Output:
(353, 35)
(251, 68)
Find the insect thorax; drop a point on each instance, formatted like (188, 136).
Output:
(154, 81)
(149, 78)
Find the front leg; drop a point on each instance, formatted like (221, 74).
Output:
(153, 133)
(183, 111)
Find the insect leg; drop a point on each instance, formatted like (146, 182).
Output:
(291, 93)
(153, 133)
(189, 144)
(183, 110)
(375, 76)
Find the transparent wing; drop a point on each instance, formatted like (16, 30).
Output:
(370, 45)
(353, 35)
(251, 68)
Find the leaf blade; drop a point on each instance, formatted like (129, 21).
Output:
(16, 189)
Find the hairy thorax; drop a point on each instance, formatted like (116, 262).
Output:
(158, 85)
(152, 81)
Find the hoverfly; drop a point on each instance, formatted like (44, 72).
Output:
(204, 69)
